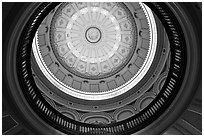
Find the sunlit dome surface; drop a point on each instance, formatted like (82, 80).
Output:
(93, 39)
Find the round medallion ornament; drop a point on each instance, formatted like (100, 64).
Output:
(93, 35)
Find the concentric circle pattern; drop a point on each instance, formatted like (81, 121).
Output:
(96, 51)
(63, 78)
(93, 38)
